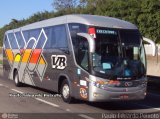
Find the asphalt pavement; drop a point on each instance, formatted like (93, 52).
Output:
(30, 102)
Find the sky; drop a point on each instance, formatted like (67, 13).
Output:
(19, 9)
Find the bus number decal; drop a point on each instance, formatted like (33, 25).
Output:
(59, 61)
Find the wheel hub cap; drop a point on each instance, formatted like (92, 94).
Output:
(65, 91)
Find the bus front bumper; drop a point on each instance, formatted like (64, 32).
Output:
(116, 94)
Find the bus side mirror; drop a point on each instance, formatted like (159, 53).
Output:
(90, 40)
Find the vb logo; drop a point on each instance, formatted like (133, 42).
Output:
(59, 61)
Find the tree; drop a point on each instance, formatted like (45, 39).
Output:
(143, 13)
(59, 5)
(149, 19)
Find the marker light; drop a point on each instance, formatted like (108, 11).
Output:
(103, 84)
(92, 32)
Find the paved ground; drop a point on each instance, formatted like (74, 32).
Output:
(15, 105)
(12, 101)
(153, 65)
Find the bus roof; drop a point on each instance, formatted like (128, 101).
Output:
(92, 20)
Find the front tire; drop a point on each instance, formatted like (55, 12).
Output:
(66, 92)
(16, 79)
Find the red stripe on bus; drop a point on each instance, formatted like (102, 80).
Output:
(35, 55)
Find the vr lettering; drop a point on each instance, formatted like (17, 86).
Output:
(59, 61)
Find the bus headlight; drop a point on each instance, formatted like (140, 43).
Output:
(98, 85)
(103, 84)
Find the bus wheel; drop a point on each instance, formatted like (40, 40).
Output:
(65, 92)
(16, 79)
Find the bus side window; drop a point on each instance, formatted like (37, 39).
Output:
(57, 37)
(6, 42)
(142, 56)
(12, 41)
(82, 52)
(48, 31)
(61, 36)
(36, 33)
(26, 36)
(20, 40)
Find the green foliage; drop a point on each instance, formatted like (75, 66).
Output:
(64, 4)
(143, 13)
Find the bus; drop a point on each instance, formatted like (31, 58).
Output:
(86, 57)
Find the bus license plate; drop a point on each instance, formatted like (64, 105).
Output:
(124, 97)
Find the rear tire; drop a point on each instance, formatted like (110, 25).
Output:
(66, 92)
(16, 79)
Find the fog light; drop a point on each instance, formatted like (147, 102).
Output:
(102, 86)
(98, 85)
(145, 93)
(96, 94)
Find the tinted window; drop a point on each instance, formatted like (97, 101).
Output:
(6, 42)
(81, 52)
(41, 41)
(31, 44)
(76, 28)
(31, 34)
(34, 33)
(130, 37)
(51, 41)
(20, 39)
(26, 35)
(107, 49)
(12, 41)
(57, 37)
(106, 36)
(60, 36)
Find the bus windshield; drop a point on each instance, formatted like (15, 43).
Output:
(118, 54)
